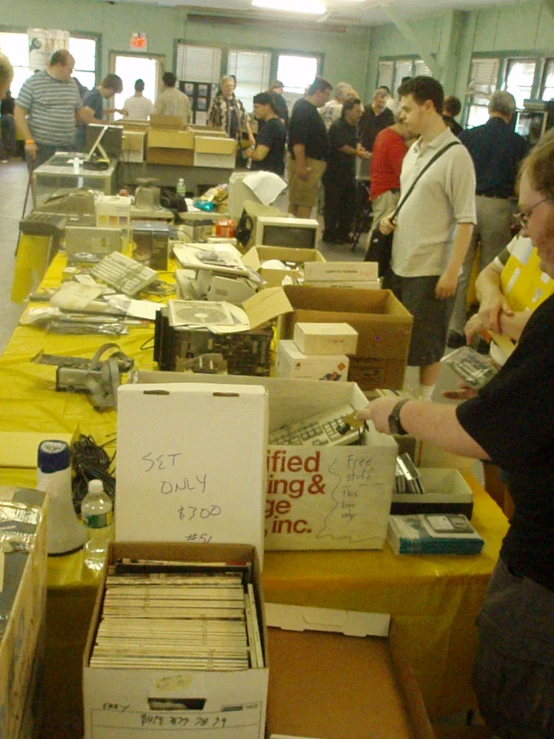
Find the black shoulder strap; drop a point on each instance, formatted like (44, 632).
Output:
(438, 155)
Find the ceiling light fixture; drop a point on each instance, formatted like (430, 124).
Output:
(309, 7)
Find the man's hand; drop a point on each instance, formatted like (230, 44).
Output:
(363, 153)
(446, 286)
(378, 411)
(122, 111)
(473, 326)
(387, 225)
(31, 150)
(489, 313)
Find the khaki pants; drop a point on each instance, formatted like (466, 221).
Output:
(304, 192)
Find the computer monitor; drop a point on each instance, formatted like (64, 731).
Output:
(282, 231)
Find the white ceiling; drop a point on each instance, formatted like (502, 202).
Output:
(342, 12)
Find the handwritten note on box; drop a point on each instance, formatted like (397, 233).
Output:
(191, 463)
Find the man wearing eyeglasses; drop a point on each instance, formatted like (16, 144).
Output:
(496, 151)
(511, 422)
(46, 109)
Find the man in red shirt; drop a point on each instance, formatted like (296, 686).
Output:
(389, 150)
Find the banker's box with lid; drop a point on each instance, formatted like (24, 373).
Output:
(191, 469)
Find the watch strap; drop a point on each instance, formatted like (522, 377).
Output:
(395, 425)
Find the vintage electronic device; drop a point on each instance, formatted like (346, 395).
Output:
(246, 352)
(293, 232)
(535, 119)
(105, 140)
(151, 243)
(43, 224)
(147, 195)
(123, 274)
(324, 429)
(90, 240)
(74, 202)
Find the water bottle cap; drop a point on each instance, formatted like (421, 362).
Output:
(95, 486)
(53, 455)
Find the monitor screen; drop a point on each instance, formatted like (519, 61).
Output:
(289, 235)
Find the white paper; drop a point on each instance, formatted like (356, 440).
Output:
(267, 186)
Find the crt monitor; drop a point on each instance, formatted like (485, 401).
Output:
(291, 232)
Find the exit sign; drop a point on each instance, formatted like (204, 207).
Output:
(139, 41)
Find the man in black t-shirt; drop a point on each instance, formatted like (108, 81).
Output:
(308, 147)
(375, 118)
(511, 422)
(339, 179)
(269, 152)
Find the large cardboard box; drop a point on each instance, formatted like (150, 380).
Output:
(170, 138)
(165, 121)
(384, 328)
(191, 463)
(217, 161)
(132, 146)
(328, 497)
(177, 157)
(341, 272)
(294, 260)
(128, 703)
(22, 605)
(339, 675)
(214, 144)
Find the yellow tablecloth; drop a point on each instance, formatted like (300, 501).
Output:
(433, 599)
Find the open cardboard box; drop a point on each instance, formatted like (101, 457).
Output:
(331, 497)
(125, 703)
(257, 255)
(339, 675)
(170, 138)
(446, 491)
(177, 157)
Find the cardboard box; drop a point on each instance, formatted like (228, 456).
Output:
(22, 605)
(170, 138)
(325, 338)
(166, 121)
(446, 491)
(177, 157)
(257, 255)
(133, 146)
(197, 468)
(384, 328)
(231, 705)
(371, 285)
(331, 497)
(134, 124)
(217, 161)
(214, 145)
(234, 290)
(341, 272)
(293, 363)
(339, 675)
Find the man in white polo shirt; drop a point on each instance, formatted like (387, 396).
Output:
(434, 227)
(46, 109)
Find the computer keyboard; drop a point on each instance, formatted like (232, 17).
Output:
(323, 429)
(123, 274)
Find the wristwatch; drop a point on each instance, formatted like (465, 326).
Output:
(395, 426)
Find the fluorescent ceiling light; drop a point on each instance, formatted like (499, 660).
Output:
(311, 7)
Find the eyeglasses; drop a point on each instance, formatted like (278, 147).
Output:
(523, 218)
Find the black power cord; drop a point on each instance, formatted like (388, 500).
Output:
(90, 462)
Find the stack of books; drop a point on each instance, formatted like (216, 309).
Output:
(447, 533)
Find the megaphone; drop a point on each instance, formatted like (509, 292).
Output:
(65, 533)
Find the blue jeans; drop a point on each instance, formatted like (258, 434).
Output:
(45, 151)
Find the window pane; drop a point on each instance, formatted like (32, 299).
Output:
(83, 50)
(88, 79)
(484, 76)
(296, 72)
(16, 47)
(198, 63)
(478, 115)
(385, 76)
(422, 69)
(251, 68)
(519, 80)
(403, 69)
(548, 90)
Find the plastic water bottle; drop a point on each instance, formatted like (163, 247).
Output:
(96, 511)
(181, 189)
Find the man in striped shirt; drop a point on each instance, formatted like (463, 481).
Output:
(46, 109)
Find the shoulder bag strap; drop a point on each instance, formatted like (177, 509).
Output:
(420, 175)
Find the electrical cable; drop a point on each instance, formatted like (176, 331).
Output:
(90, 462)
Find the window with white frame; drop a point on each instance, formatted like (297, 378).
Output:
(403, 68)
(482, 83)
(251, 68)
(16, 47)
(83, 50)
(391, 73)
(519, 78)
(296, 72)
(385, 75)
(198, 63)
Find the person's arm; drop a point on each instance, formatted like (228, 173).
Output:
(299, 151)
(257, 153)
(489, 294)
(448, 281)
(435, 423)
(86, 116)
(31, 147)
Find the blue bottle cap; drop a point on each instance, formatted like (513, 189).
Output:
(53, 455)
